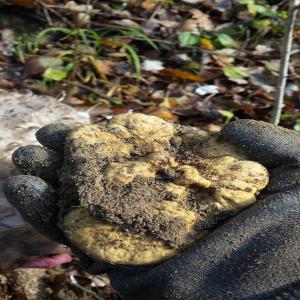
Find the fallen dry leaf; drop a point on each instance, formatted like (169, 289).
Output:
(213, 128)
(148, 5)
(33, 67)
(100, 110)
(169, 72)
(198, 20)
(102, 67)
(168, 23)
(126, 23)
(163, 113)
(6, 84)
(207, 44)
(80, 13)
(74, 101)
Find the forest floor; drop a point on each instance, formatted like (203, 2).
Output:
(198, 62)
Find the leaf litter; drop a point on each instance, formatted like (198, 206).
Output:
(120, 53)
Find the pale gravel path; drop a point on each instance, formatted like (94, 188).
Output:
(20, 117)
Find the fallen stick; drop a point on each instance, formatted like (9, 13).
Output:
(284, 64)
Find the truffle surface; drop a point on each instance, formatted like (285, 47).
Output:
(147, 188)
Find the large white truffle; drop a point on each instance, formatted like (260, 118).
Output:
(147, 188)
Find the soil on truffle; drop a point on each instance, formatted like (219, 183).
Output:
(83, 183)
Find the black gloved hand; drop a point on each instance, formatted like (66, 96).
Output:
(255, 255)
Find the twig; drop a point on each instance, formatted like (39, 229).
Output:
(95, 12)
(284, 64)
(88, 88)
(155, 12)
(295, 51)
(47, 16)
(73, 281)
(57, 14)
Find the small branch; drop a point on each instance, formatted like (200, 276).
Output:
(88, 88)
(47, 16)
(284, 64)
(95, 12)
(57, 14)
(73, 281)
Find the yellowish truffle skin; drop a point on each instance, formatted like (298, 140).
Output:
(104, 242)
(185, 176)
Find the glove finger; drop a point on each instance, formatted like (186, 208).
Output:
(36, 201)
(283, 178)
(266, 143)
(38, 161)
(52, 136)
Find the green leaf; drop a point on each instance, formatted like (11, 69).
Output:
(273, 65)
(134, 58)
(252, 9)
(286, 116)
(265, 11)
(235, 31)
(245, 1)
(136, 32)
(283, 14)
(261, 24)
(297, 127)
(69, 67)
(83, 36)
(234, 72)
(226, 40)
(117, 5)
(55, 74)
(39, 37)
(47, 62)
(187, 39)
(116, 101)
(227, 114)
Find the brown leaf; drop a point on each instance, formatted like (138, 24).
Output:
(102, 67)
(105, 67)
(33, 68)
(5, 84)
(262, 94)
(100, 110)
(213, 128)
(222, 60)
(148, 5)
(126, 23)
(162, 113)
(168, 23)
(198, 20)
(74, 101)
(169, 72)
